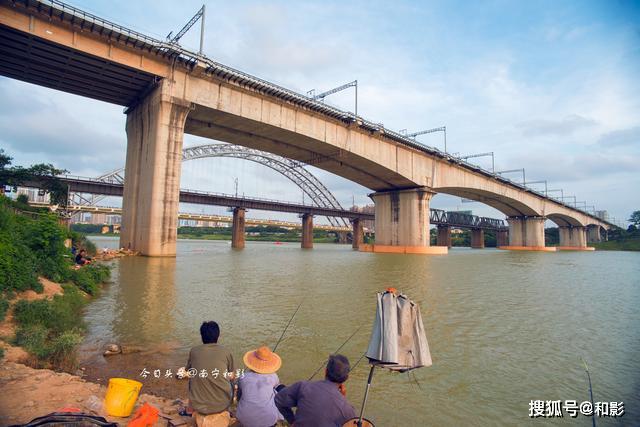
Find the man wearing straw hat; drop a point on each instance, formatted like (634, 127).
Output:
(319, 403)
(256, 389)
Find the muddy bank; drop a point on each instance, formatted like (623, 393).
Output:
(28, 393)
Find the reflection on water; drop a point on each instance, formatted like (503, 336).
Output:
(504, 327)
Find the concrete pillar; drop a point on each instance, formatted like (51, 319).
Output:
(342, 237)
(572, 237)
(502, 238)
(594, 234)
(237, 231)
(307, 231)
(477, 238)
(527, 233)
(443, 237)
(402, 222)
(358, 233)
(155, 129)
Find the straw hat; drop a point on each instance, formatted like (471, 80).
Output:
(262, 360)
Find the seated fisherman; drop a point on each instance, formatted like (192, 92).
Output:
(256, 389)
(82, 258)
(319, 403)
(210, 391)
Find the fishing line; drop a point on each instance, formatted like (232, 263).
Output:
(339, 348)
(286, 327)
(593, 413)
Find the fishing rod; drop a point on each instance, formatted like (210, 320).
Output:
(593, 413)
(286, 327)
(339, 348)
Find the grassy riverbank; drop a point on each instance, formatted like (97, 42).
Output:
(46, 321)
(630, 244)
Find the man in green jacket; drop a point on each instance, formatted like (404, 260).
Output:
(211, 372)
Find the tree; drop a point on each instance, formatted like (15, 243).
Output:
(635, 218)
(43, 174)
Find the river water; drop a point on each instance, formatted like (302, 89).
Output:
(504, 328)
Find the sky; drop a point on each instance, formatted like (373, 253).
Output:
(552, 87)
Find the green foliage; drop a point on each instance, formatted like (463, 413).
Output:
(635, 218)
(86, 228)
(4, 306)
(33, 338)
(89, 277)
(80, 241)
(60, 314)
(17, 266)
(62, 350)
(43, 174)
(50, 330)
(22, 199)
(1, 353)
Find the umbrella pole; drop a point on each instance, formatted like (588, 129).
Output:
(366, 394)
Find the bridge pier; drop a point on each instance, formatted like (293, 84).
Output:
(402, 222)
(502, 238)
(307, 231)
(573, 239)
(594, 234)
(358, 233)
(155, 130)
(477, 238)
(237, 231)
(444, 236)
(526, 233)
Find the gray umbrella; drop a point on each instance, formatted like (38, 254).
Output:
(398, 341)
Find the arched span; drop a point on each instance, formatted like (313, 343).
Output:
(509, 205)
(506, 205)
(291, 169)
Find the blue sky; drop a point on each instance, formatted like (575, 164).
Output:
(549, 86)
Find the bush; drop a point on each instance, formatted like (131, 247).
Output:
(60, 314)
(62, 350)
(17, 267)
(89, 277)
(33, 338)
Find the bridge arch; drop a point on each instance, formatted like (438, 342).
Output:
(291, 169)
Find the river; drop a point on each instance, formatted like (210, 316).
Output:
(504, 327)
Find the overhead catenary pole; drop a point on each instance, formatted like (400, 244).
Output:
(512, 171)
(471, 156)
(323, 95)
(424, 132)
(202, 30)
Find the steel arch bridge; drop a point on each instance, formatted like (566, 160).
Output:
(291, 169)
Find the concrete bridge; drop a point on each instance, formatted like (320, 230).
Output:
(169, 91)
